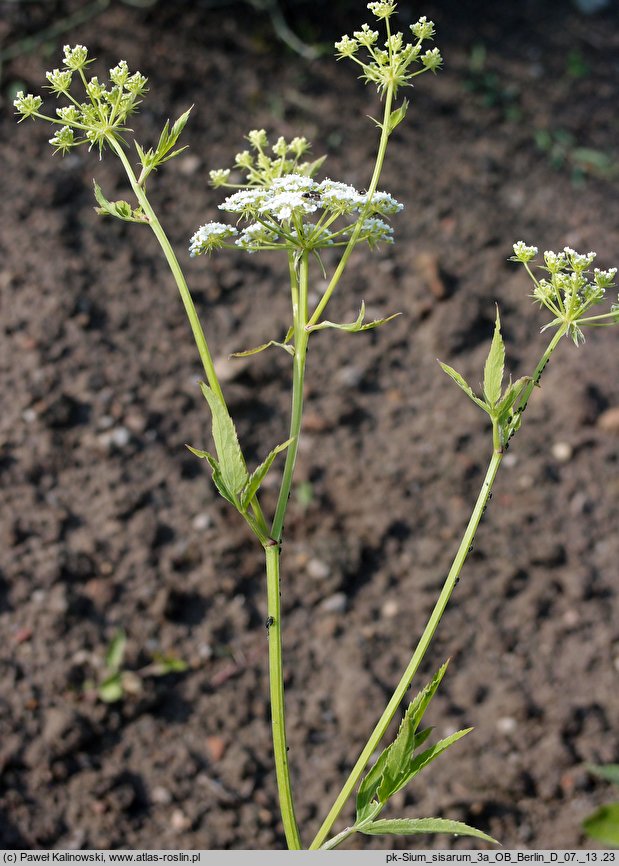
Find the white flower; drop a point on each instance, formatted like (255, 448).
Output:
(579, 261)
(524, 253)
(604, 279)
(423, 29)
(256, 236)
(210, 236)
(383, 203)
(340, 197)
(75, 57)
(245, 201)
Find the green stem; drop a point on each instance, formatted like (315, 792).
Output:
(301, 337)
(192, 315)
(276, 680)
(179, 277)
(436, 615)
(420, 651)
(378, 167)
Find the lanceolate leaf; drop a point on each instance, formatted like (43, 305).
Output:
(217, 479)
(495, 363)
(512, 395)
(120, 209)
(286, 346)
(394, 763)
(257, 477)
(396, 117)
(459, 380)
(357, 325)
(414, 826)
(231, 463)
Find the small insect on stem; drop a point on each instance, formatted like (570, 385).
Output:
(269, 621)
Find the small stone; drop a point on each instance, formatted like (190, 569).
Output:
(562, 451)
(217, 747)
(389, 609)
(228, 369)
(571, 618)
(29, 415)
(179, 821)
(121, 437)
(506, 725)
(509, 461)
(609, 420)
(336, 603)
(349, 376)
(161, 795)
(202, 521)
(318, 570)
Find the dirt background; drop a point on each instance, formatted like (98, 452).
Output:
(108, 522)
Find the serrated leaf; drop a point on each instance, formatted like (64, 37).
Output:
(398, 756)
(462, 383)
(387, 787)
(168, 139)
(217, 477)
(494, 366)
(608, 772)
(603, 824)
(397, 116)
(231, 463)
(111, 689)
(254, 351)
(119, 209)
(116, 651)
(512, 395)
(414, 826)
(356, 326)
(257, 477)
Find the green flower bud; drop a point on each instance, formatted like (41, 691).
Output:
(75, 57)
(27, 105)
(59, 80)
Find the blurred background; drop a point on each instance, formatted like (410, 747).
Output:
(133, 685)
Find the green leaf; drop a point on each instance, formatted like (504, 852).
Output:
(395, 761)
(603, 824)
(217, 477)
(608, 772)
(116, 651)
(414, 826)
(257, 477)
(313, 167)
(495, 363)
(459, 380)
(286, 346)
(512, 395)
(231, 463)
(168, 139)
(396, 117)
(111, 689)
(163, 665)
(421, 762)
(356, 326)
(119, 209)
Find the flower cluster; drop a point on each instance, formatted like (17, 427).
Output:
(278, 213)
(101, 116)
(261, 168)
(570, 289)
(393, 62)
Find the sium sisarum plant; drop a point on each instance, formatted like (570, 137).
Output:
(277, 203)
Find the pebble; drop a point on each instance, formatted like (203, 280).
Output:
(318, 570)
(349, 376)
(389, 609)
(336, 603)
(228, 369)
(161, 795)
(506, 725)
(29, 415)
(509, 461)
(189, 164)
(202, 521)
(216, 746)
(562, 451)
(609, 420)
(179, 821)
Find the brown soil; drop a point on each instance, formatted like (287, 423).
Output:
(108, 522)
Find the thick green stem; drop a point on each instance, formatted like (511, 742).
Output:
(301, 337)
(378, 167)
(276, 680)
(436, 615)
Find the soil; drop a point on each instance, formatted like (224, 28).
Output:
(108, 523)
